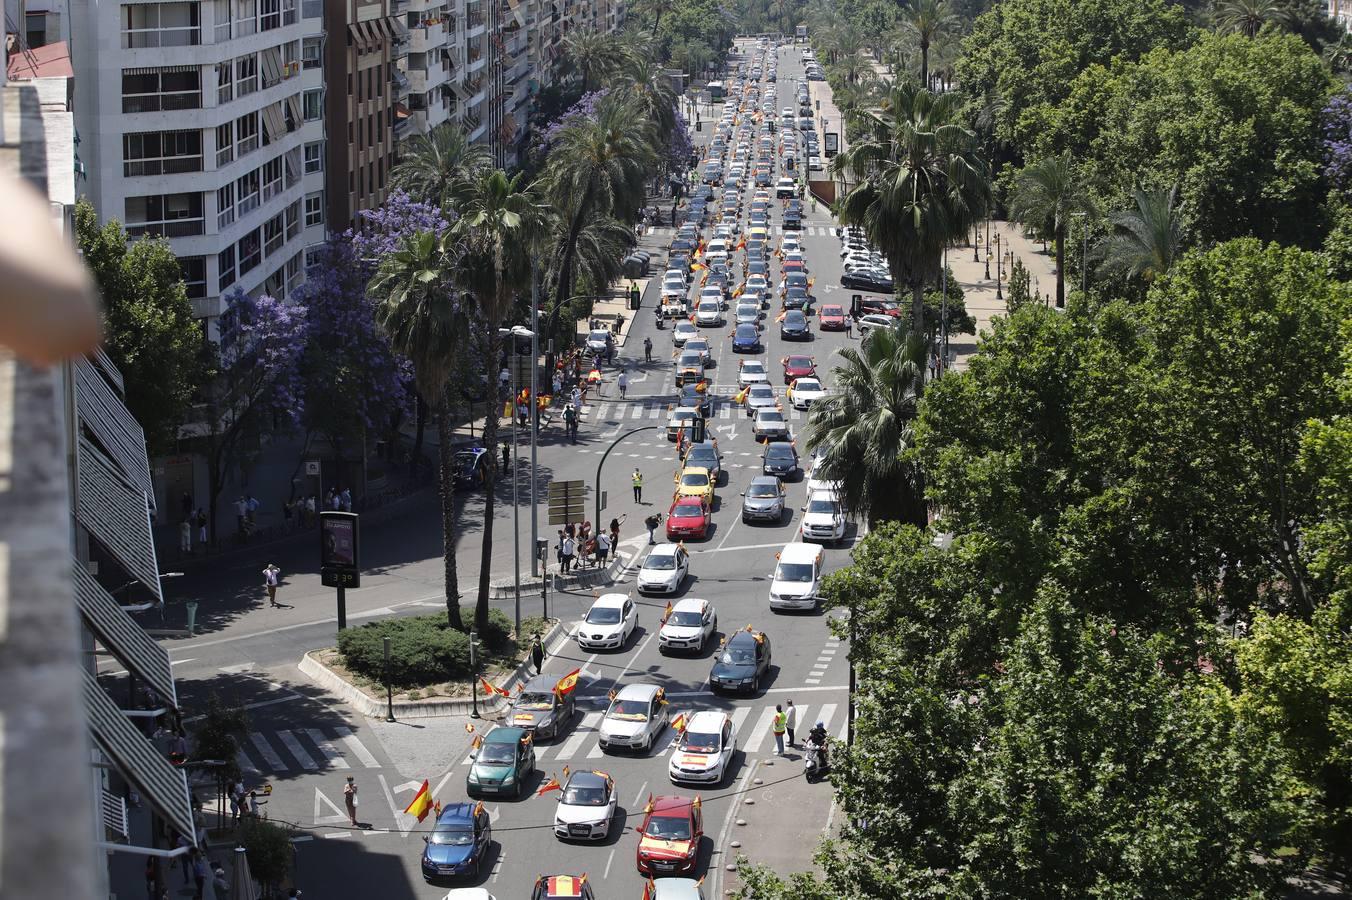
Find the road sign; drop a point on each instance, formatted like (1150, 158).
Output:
(567, 502)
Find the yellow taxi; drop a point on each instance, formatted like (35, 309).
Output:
(695, 481)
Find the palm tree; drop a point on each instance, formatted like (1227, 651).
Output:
(1339, 53)
(1247, 17)
(1145, 241)
(866, 427)
(926, 20)
(431, 166)
(1046, 194)
(593, 55)
(921, 185)
(498, 224)
(641, 80)
(426, 319)
(598, 167)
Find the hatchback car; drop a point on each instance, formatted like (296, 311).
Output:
(780, 459)
(709, 312)
(539, 709)
(874, 321)
(690, 625)
(752, 371)
(669, 837)
(746, 339)
(502, 763)
(705, 455)
(704, 751)
(805, 391)
(608, 624)
(794, 327)
(586, 807)
(664, 570)
(696, 396)
(764, 499)
(682, 332)
(635, 719)
(562, 887)
(748, 313)
(689, 366)
(831, 317)
(688, 517)
(681, 421)
(598, 340)
(742, 662)
(759, 397)
(695, 481)
(770, 425)
(458, 843)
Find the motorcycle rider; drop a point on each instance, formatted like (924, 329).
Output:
(816, 742)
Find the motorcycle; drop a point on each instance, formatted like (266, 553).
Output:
(814, 762)
(660, 326)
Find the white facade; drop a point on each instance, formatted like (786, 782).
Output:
(204, 122)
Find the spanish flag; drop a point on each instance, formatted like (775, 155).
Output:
(648, 807)
(650, 890)
(477, 742)
(469, 728)
(678, 724)
(740, 396)
(698, 802)
(551, 785)
(666, 614)
(567, 684)
(698, 267)
(422, 802)
(478, 808)
(781, 316)
(490, 689)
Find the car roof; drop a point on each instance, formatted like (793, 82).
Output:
(766, 479)
(588, 779)
(543, 683)
(671, 804)
(710, 719)
(637, 692)
(505, 734)
(456, 814)
(608, 600)
(690, 604)
(742, 636)
(800, 553)
(677, 889)
(660, 548)
(780, 448)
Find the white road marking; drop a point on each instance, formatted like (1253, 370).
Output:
(269, 755)
(760, 731)
(296, 750)
(638, 798)
(326, 747)
(357, 748)
(609, 859)
(584, 730)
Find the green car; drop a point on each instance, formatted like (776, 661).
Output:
(502, 763)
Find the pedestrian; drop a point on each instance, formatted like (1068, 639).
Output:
(218, 881)
(615, 531)
(506, 455)
(537, 653)
(310, 504)
(570, 421)
(235, 793)
(623, 382)
(558, 549)
(241, 510)
(934, 365)
(270, 581)
(253, 504)
(185, 536)
(577, 397)
(350, 800)
(178, 748)
(849, 325)
(648, 349)
(199, 874)
(779, 725)
(652, 522)
(346, 498)
(602, 548)
(569, 547)
(505, 379)
(791, 721)
(253, 804)
(201, 520)
(637, 480)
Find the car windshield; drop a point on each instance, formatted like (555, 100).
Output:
(585, 796)
(534, 700)
(689, 359)
(687, 510)
(740, 655)
(603, 615)
(762, 391)
(808, 384)
(753, 369)
(762, 490)
(664, 562)
(797, 572)
(599, 335)
(497, 753)
(686, 617)
(452, 835)
(669, 828)
(696, 742)
(771, 415)
(465, 460)
(821, 506)
(701, 456)
(630, 710)
(778, 451)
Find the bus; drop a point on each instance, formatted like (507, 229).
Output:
(716, 92)
(800, 34)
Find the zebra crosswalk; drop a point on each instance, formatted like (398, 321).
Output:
(582, 742)
(653, 409)
(666, 231)
(304, 750)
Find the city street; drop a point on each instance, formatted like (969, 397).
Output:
(305, 743)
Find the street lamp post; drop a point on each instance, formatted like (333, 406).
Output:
(1084, 255)
(988, 245)
(999, 267)
(534, 414)
(512, 334)
(613, 445)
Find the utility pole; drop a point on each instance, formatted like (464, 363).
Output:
(534, 415)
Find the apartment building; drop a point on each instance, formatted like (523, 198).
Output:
(203, 121)
(361, 104)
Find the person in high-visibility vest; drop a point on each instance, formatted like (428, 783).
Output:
(637, 480)
(780, 725)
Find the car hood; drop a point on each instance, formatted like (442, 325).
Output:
(449, 854)
(812, 518)
(681, 632)
(696, 760)
(569, 814)
(656, 848)
(491, 771)
(734, 670)
(529, 718)
(622, 727)
(658, 576)
(603, 630)
(761, 502)
(791, 588)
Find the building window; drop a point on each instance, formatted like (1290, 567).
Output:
(246, 17)
(270, 15)
(156, 90)
(248, 189)
(246, 134)
(289, 12)
(313, 104)
(246, 75)
(272, 178)
(274, 234)
(160, 25)
(314, 255)
(293, 270)
(225, 83)
(225, 206)
(312, 53)
(225, 144)
(314, 157)
(170, 215)
(161, 153)
(292, 220)
(314, 209)
(225, 267)
(250, 251)
(194, 276)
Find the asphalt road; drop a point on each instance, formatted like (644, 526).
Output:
(304, 744)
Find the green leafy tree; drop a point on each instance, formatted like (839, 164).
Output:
(217, 738)
(150, 331)
(1047, 193)
(593, 56)
(1145, 239)
(270, 852)
(432, 166)
(1248, 17)
(920, 185)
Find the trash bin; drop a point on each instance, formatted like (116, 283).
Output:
(635, 298)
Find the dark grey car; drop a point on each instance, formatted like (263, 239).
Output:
(780, 459)
(540, 709)
(763, 500)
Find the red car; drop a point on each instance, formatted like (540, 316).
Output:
(831, 318)
(668, 842)
(798, 366)
(688, 518)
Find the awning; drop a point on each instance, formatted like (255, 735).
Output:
(114, 511)
(164, 787)
(104, 414)
(274, 122)
(293, 108)
(400, 110)
(271, 61)
(364, 34)
(127, 640)
(385, 28)
(109, 369)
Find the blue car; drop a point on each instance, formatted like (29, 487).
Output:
(746, 339)
(458, 842)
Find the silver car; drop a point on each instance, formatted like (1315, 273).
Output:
(763, 500)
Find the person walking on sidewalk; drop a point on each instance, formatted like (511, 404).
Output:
(637, 480)
(849, 326)
(199, 874)
(271, 578)
(779, 726)
(201, 520)
(570, 421)
(185, 536)
(569, 548)
(537, 653)
(602, 548)
(350, 800)
(791, 719)
(623, 382)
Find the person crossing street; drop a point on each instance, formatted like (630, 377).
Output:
(637, 480)
(779, 726)
(648, 349)
(623, 382)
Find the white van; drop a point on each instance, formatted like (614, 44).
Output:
(796, 583)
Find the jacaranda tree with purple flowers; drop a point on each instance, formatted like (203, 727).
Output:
(254, 384)
(1338, 140)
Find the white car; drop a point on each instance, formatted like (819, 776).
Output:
(682, 332)
(712, 292)
(598, 340)
(823, 517)
(705, 750)
(681, 419)
(608, 624)
(690, 625)
(665, 889)
(752, 371)
(664, 570)
(814, 163)
(790, 244)
(806, 391)
(770, 425)
(756, 283)
(701, 346)
(760, 396)
(784, 188)
(586, 807)
(815, 482)
(709, 312)
(871, 321)
(636, 718)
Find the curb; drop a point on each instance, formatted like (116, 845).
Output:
(374, 708)
(502, 588)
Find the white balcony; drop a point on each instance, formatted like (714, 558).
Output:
(427, 38)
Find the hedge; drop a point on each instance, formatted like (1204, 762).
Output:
(423, 649)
